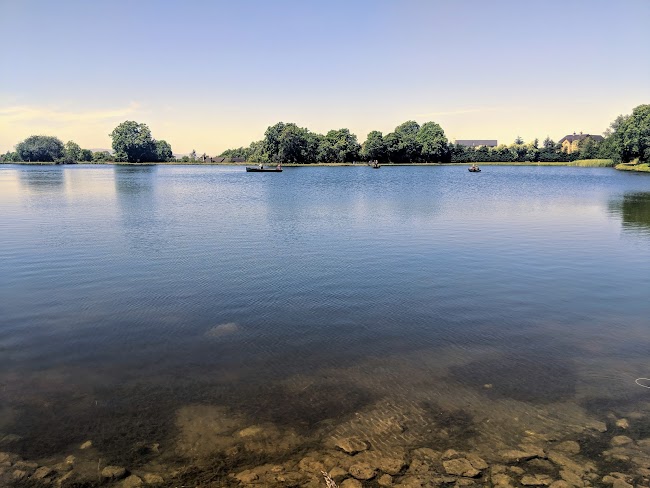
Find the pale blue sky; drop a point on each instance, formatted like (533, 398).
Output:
(209, 75)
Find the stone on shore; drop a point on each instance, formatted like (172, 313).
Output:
(153, 479)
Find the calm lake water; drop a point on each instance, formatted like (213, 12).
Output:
(178, 306)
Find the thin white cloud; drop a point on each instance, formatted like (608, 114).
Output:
(25, 113)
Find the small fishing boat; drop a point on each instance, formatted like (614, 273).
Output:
(263, 170)
(474, 170)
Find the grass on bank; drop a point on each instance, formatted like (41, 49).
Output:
(634, 166)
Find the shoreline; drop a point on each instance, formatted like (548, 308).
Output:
(581, 163)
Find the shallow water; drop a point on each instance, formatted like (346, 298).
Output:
(178, 305)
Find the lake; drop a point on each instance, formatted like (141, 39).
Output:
(199, 322)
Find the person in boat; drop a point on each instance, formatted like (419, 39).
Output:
(261, 166)
(474, 167)
(279, 166)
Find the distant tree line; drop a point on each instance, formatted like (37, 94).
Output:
(626, 140)
(288, 143)
(520, 152)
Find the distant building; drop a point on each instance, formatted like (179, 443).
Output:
(477, 142)
(570, 143)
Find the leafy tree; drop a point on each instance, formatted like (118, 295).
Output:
(548, 143)
(374, 148)
(71, 152)
(102, 156)
(344, 146)
(163, 151)
(631, 136)
(132, 142)
(519, 140)
(433, 143)
(193, 155)
(402, 145)
(40, 148)
(10, 156)
(588, 148)
(86, 155)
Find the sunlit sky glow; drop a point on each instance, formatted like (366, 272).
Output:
(209, 75)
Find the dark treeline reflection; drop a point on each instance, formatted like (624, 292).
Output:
(634, 210)
(42, 179)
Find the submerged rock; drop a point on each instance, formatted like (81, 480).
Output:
(362, 471)
(570, 447)
(536, 480)
(132, 481)
(86, 445)
(623, 424)
(385, 480)
(42, 472)
(621, 440)
(351, 445)
(351, 483)
(153, 479)
(460, 467)
(113, 472)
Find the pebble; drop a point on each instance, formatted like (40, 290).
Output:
(86, 445)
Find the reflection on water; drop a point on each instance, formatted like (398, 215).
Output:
(42, 178)
(196, 322)
(634, 210)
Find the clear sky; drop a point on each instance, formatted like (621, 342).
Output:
(209, 75)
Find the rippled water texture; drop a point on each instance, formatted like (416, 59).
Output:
(179, 315)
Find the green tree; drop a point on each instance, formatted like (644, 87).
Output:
(86, 155)
(102, 156)
(402, 145)
(588, 148)
(10, 156)
(40, 148)
(344, 146)
(288, 143)
(548, 143)
(163, 151)
(631, 136)
(519, 140)
(433, 143)
(132, 142)
(71, 152)
(374, 148)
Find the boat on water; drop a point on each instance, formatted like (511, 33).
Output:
(374, 164)
(265, 170)
(474, 169)
(262, 169)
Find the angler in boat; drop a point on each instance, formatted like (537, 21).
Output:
(474, 169)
